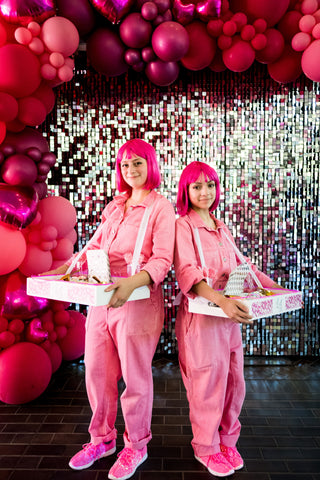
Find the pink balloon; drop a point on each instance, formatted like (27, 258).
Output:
(60, 35)
(170, 41)
(148, 54)
(162, 73)
(239, 57)
(301, 41)
(58, 212)
(34, 332)
(63, 250)
(134, 31)
(80, 12)
(113, 10)
(25, 373)
(306, 23)
(309, 6)
(132, 56)
(32, 111)
(19, 169)
(19, 70)
(23, 35)
(272, 10)
(35, 261)
(72, 236)
(54, 352)
(24, 11)
(3, 131)
(8, 107)
(202, 47)
(316, 31)
(274, 47)
(72, 345)
(12, 248)
(105, 52)
(287, 68)
(310, 61)
(18, 205)
(65, 73)
(6, 339)
(149, 11)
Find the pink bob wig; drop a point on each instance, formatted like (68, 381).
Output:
(190, 174)
(138, 148)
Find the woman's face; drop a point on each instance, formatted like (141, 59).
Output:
(202, 193)
(134, 170)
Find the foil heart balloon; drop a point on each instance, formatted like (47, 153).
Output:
(113, 10)
(35, 332)
(26, 11)
(14, 301)
(18, 205)
(184, 13)
(208, 9)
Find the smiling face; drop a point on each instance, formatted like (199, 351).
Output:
(202, 193)
(134, 170)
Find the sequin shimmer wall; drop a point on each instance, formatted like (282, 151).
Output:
(261, 137)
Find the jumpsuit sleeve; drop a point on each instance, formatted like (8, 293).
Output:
(161, 258)
(187, 269)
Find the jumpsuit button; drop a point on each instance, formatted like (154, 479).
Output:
(220, 244)
(224, 259)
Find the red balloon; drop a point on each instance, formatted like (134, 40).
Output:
(274, 48)
(289, 24)
(135, 31)
(239, 57)
(32, 111)
(105, 52)
(8, 107)
(113, 10)
(202, 47)
(310, 61)
(54, 352)
(170, 41)
(24, 11)
(19, 70)
(80, 12)
(12, 248)
(72, 345)
(46, 95)
(3, 131)
(19, 169)
(287, 68)
(272, 10)
(18, 205)
(162, 73)
(25, 373)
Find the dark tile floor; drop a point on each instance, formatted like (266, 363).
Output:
(280, 438)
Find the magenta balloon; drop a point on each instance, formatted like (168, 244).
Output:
(19, 170)
(80, 12)
(239, 57)
(49, 158)
(35, 332)
(162, 73)
(272, 10)
(148, 54)
(105, 52)
(170, 41)
(25, 11)
(132, 56)
(113, 10)
(18, 205)
(14, 301)
(163, 5)
(72, 345)
(149, 11)
(134, 31)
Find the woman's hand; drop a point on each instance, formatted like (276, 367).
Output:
(122, 291)
(235, 310)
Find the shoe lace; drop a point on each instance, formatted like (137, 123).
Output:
(126, 456)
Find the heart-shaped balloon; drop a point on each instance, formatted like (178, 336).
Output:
(113, 10)
(208, 9)
(35, 332)
(18, 205)
(26, 11)
(14, 301)
(184, 13)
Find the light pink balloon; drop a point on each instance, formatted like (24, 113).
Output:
(35, 261)
(23, 35)
(12, 248)
(60, 35)
(301, 41)
(63, 250)
(306, 23)
(36, 46)
(310, 61)
(309, 6)
(316, 31)
(58, 212)
(25, 373)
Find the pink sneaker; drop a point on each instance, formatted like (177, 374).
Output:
(216, 464)
(233, 456)
(90, 453)
(127, 463)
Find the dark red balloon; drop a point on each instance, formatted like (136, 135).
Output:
(105, 52)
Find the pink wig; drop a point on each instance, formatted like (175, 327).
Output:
(190, 174)
(138, 148)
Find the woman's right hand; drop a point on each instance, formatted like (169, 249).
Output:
(235, 310)
(57, 271)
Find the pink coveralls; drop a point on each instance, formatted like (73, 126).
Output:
(210, 348)
(120, 342)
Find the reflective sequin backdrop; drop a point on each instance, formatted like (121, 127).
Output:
(263, 139)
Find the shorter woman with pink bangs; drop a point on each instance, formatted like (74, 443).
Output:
(210, 348)
(121, 337)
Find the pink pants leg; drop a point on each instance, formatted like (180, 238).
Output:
(211, 361)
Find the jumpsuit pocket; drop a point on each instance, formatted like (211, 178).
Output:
(144, 316)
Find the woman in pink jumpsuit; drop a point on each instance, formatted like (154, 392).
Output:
(121, 337)
(210, 348)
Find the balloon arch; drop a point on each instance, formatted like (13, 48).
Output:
(38, 40)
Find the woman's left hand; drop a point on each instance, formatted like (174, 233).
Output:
(122, 291)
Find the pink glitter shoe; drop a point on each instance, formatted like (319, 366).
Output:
(216, 464)
(90, 453)
(233, 456)
(127, 463)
